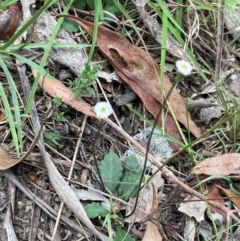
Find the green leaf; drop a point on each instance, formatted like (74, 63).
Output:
(90, 90)
(121, 235)
(111, 7)
(70, 25)
(59, 116)
(83, 80)
(90, 3)
(94, 210)
(232, 3)
(111, 171)
(131, 178)
(51, 138)
(79, 4)
(57, 101)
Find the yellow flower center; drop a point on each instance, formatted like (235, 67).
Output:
(103, 109)
(184, 66)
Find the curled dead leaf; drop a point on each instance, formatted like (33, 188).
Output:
(9, 21)
(117, 207)
(214, 194)
(235, 198)
(6, 161)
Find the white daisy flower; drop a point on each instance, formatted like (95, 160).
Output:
(184, 67)
(103, 109)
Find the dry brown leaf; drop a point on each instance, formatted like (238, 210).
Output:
(193, 207)
(226, 164)
(56, 88)
(235, 198)
(116, 207)
(3, 116)
(137, 68)
(144, 206)
(152, 233)
(6, 161)
(214, 195)
(9, 21)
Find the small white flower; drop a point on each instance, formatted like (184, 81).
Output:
(184, 67)
(103, 110)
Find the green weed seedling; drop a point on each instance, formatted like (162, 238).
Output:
(59, 116)
(122, 179)
(81, 85)
(95, 210)
(51, 139)
(57, 101)
(55, 139)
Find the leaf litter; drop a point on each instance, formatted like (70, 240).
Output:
(152, 232)
(84, 107)
(136, 67)
(9, 21)
(225, 164)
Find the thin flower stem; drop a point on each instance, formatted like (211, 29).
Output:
(94, 156)
(148, 146)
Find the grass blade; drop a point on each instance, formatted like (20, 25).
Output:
(45, 56)
(44, 45)
(10, 118)
(176, 34)
(29, 62)
(7, 3)
(14, 96)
